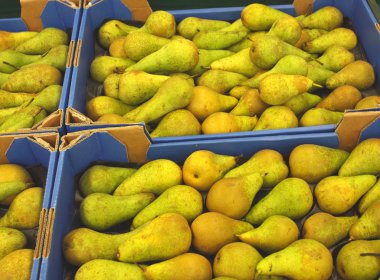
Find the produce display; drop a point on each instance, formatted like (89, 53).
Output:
(312, 215)
(265, 70)
(32, 66)
(20, 208)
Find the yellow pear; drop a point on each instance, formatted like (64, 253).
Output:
(221, 122)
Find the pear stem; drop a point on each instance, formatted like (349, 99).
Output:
(317, 85)
(370, 254)
(317, 61)
(11, 65)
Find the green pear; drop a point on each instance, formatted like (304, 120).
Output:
(265, 237)
(236, 260)
(340, 36)
(233, 196)
(17, 265)
(160, 23)
(136, 87)
(174, 93)
(111, 85)
(176, 56)
(24, 211)
(217, 40)
(250, 104)
(224, 278)
(203, 168)
(206, 57)
(327, 229)
(237, 25)
(309, 35)
(365, 103)
(10, 40)
(6, 113)
(101, 105)
(111, 30)
(359, 74)
(291, 197)
(287, 29)
(269, 163)
(260, 17)
(164, 237)
(116, 48)
(23, 117)
(168, 126)
(32, 79)
(56, 57)
(320, 116)
(155, 177)
(364, 159)
(335, 58)
(180, 199)
(289, 64)
(338, 194)
(290, 262)
(327, 18)
(3, 78)
(212, 230)
(276, 89)
(8, 189)
(367, 227)
(267, 277)
(318, 75)
(185, 266)
(341, 99)
(220, 81)
(371, 196)
(248, 42)
(103, 66)
(10, 240)
(48, 99)
(190, 26)
(277, 117)
(106, 269)
(100, 211)
(12, 60)
(221, 122)
(12, 99)
(239, 91)
(301, 103)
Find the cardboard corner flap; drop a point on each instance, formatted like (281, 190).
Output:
(48, 141)
(48, 233)
(75, 117)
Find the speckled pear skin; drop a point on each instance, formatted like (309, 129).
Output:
(320, 116)
(8, 189)
(10, 240)
(287, 29)
(56, 57)
(303, 102)
(222, 122)
(340, 36)
(371, 196)
(217, 40)
(17, 265)
(13, 60)
(341, 99)
(206, 57)
(220, 81)
(102, 105)
(335, 58)
(13, 99)
(189, 26)
(367, 102)
(277, 117)
(111, 30)
(250, 104)
(326, 18)
(10, 40)
(160, 23)
(103, 66)
(367, 227)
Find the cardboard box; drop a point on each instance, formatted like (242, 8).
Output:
(38, 153)
(95, 15)
(36, 15)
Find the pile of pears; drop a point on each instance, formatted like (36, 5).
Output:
(265, 70)
(221, 216)
(20, 208)
(32, 65)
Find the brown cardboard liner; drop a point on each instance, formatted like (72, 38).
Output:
(70, 54)
(74, 117)
(40, 234)
(77, 53)
(48, 233)
(377, 25)
(303, 7)
(53, 121)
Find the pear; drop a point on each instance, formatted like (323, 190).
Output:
(265, 237)
(289, 262)
(318, 75)
(10, 240)
(100, 211)
(326, 18)
(155, 176)
(32, 79)
(176, 56)
(203, 168)
(164, 237)
(301, 103)
(287, 29)
(237, 63)
(367, 227)
(185, 267)
(359, 74)
(320, 116)
(233, 196)
(206, 101)
(309, 35)
(217, 40)
(338, 194)
(239, 91)
(220, 81)
(268, 50)
(289, 64)
(340, 36)
(223, 278)
(103, 179)
(260, 17)
(103, 66)
(248, 42)
(106, 269)
(180, 199)
(116, 48)
(47, 39)
(3, 78)
(269, 163)
(212, 230)
(364, 159)
(113, 119)
(371, 196)
(291, 197)
(335, 58)
(111, 85)
(221, 122)
(160, 23)
(276, 89)
(177, 123)
(237, 25)
(56, 57)
(11, 99)
(136, 87)
(23, 118)
(17, 265)
(313, 162)
(269, 277)
(10, 40)
(9, 189)
(341, 99)
(277, 117)
(206, 57)
(368, 102)
(250, 104)
(190, 26)
(12, 60)
(48, 99)
(175, 93)
(101, 105)
(359, 260)
(326, 228)
(111, 30)
(236, 260)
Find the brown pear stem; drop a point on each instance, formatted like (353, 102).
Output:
(317, 61)
(370, 254)
(11, 65)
